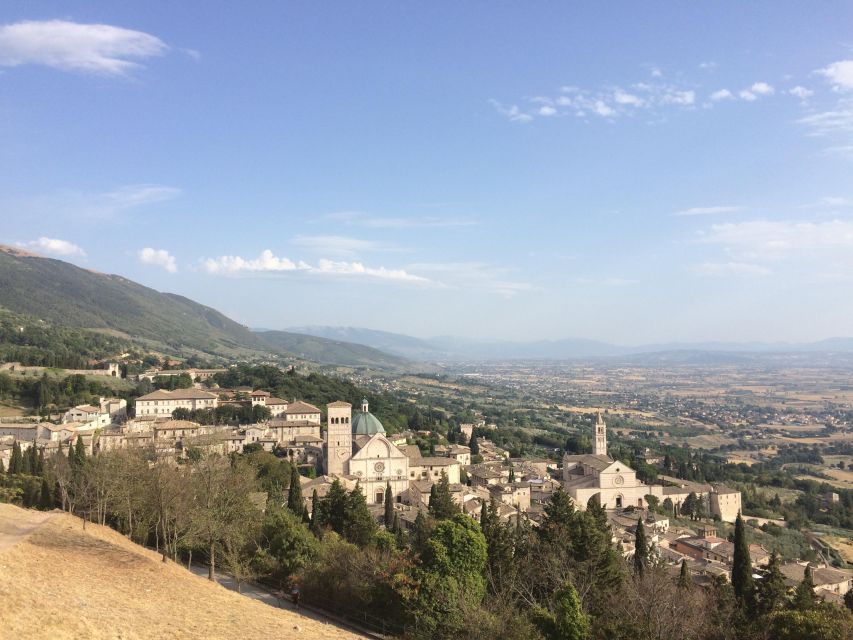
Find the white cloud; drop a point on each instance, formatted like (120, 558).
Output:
(602, 109)
(722, 94)
(763, 239)
(547, 110)
(358, 269)
(158, 258)
(338, 245)
(801, 92)
(838, 120)
(684, 98)
(701, 211)
(623, 97)
(829, 202)
(56, 247)
(512, 112)
(656, 73)
(840, 74)
(732, 269)
(268, 262)
(606, 282)
(757, 90)
(70, 46)
(708, 65)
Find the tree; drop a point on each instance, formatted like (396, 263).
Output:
(848, 600)
(45, 496)
(771, 588)
(316, 526)
(441, 503)
(742, 566)
(559, 515)
(287, 544)
(79, 453)
(684, 579)
(816, 624)
(421, 531)
(389, 508)
(566, 621)
(294, 493)
(359, 526)
(641, 548)
(16, 461)
(474, 446)
(804, 595)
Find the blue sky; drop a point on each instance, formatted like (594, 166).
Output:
(629, 173)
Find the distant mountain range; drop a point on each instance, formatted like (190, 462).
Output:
(62, 294)
(450, 348)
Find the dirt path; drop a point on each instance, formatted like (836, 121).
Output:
(16, 529)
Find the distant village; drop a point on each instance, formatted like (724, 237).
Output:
(353, 448)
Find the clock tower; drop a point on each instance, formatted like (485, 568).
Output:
(599, 448)
(338, 437)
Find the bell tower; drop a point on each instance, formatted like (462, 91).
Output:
(600, 446)
(338, 437)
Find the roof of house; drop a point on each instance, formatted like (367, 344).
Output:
(176, 424)
(261, 393)
(820, 575)
(301, 407)
(433, 462)
(87, 408)
(597, 462)
(339, 404)
(271, 401)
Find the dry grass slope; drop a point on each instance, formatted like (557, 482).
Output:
(60, 582)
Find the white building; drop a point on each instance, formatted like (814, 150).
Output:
(162, 403)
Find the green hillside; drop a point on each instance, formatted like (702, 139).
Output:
(57, 314)
(324, 351)
(63, 294)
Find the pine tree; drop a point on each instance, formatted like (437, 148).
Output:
(16, 461)
(294, 494)
(742, 567)
(771, 588)
(641, 549)
(389, 507)
(359, 527)
(46, 497)
(441, 504)
(684, 579)
(804, 596)
(420, 532)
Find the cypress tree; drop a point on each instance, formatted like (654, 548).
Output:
(641, 549)
(772, 591)
(80, 453)
(32, 454)
(16, 461)
(804, 596)
(294, 493)
(511, 475)
(684, 580)
(40, 463)
(315, 527)
(474, 446)
(2, 468)
(742, 566)
(389, 507)
(420, 532)
(27, 461)
(46, 497)
(359, 527)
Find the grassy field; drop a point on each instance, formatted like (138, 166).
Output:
(59, 582)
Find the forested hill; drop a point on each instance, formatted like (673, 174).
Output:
(51, 293)
(337, 352)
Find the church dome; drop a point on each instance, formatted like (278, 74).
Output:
(365, 423)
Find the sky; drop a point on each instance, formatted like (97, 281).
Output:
(628, 172)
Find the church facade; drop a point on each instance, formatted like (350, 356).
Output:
(357, 448)
(615, 485)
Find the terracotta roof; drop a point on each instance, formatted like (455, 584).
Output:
(339, 404)
(260, 392)
(274, 401)
(87, 408)
(433, 462)
(301, 407)
(177, 424)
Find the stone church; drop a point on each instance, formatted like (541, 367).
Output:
(614, 484)
(357, 448)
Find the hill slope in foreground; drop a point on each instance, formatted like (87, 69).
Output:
(58, 581)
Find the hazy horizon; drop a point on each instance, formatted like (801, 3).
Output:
(623, 173)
